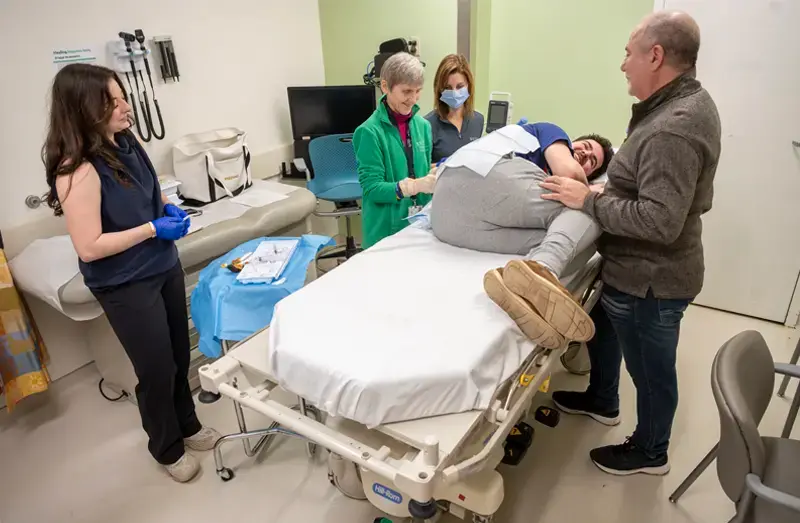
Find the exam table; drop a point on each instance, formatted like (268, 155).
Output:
(287, 217)
(427, 440)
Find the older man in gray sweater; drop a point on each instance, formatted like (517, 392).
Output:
(660, 183)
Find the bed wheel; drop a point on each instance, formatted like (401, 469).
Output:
(207, 397)
(423, 511)
(225, 474)
(477, 518)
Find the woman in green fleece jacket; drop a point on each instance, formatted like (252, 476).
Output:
(393, 150)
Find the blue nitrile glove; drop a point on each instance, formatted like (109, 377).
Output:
(168, 228)
(187, 224)
(173, 211)
(522, 121)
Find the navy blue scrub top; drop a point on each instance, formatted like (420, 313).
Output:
(547, 134)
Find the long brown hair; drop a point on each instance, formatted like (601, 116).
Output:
(453, 63)
(80, 108)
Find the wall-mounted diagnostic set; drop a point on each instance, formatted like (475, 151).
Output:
(131, 57)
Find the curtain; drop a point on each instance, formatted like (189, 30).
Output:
(22, 352)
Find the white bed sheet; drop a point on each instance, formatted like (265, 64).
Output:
(399, 332)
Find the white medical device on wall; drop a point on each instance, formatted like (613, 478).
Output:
(499, 114)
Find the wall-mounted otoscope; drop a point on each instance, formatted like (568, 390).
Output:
(146, 137)
(145, 126)
(146, 106)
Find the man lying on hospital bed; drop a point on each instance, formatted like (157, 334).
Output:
(488, 198)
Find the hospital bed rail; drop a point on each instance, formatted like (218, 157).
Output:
(587, 288)
(413, 477)
(421, 473)
(520, 398)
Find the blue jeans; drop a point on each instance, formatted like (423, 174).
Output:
(644, 331)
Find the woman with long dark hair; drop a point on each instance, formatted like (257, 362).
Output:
(124, 231)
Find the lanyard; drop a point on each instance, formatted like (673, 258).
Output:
(408, 148)
(406, 140)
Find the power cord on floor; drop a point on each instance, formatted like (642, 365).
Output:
(122, 394)
(335, 481)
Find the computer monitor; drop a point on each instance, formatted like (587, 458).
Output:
(319, 111)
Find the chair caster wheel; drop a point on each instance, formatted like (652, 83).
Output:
(225, 474)
(476, 518)
(207, 397)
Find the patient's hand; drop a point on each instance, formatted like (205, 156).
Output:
(598, 187)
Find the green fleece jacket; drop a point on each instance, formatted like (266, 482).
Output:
(381, 164)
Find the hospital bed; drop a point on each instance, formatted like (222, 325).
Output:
(417, 453)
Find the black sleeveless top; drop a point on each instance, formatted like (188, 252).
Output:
(125, 206)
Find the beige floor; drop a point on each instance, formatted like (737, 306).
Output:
(70, 456)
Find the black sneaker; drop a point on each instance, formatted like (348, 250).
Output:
(573, 402)
(627, 459)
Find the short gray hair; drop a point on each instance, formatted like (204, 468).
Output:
(403, 68)
(677, 33)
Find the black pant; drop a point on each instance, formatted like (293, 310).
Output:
(149, 318)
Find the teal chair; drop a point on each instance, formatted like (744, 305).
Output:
(335, 180)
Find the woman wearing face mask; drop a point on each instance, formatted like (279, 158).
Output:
(393, 150)
(124, 232)
(454, 122)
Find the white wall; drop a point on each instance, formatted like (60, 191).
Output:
(236, 59)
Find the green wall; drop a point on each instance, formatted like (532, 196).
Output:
(560, 60)
(353, 29)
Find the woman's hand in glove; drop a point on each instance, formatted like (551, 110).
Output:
(426, 184)
(173, 211)
(415, 186)
(169, 228)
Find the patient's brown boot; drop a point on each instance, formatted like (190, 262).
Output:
(537, 285)
(531, 324)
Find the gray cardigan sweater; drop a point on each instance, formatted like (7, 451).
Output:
(659, 184)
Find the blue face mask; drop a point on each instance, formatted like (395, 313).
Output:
(455, 98)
